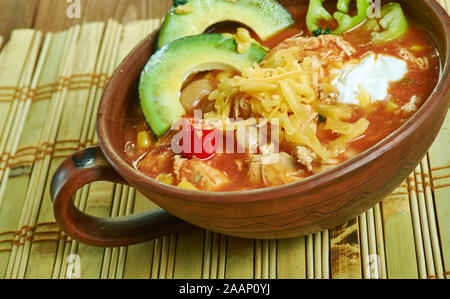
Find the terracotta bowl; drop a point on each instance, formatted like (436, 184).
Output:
(314, 204)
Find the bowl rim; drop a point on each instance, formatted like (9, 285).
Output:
(138, 179)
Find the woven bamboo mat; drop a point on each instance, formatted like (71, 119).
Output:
(50, 87)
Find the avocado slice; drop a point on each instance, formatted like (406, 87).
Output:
(265, 17)
(163, 76)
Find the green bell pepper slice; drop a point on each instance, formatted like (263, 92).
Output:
(392, 24)
(317, 12)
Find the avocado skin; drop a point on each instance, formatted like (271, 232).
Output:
(265, 17)
(163, 76)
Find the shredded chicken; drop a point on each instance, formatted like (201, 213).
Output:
(200, 174)
(327, 48)
(152, 162)
(242, 108)
(328, 93)
(177, 164)
(422, 63)
(322, 167)
(269, 148)
(274, 170)
(322, 51)
(412, 105)
(305, 156)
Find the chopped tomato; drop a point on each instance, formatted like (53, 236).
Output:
(201, 139)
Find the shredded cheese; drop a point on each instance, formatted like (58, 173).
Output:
(363, 97)
(284, 89)
(356, 131)
(338, 126)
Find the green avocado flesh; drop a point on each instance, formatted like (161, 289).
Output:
(163, 76)
(265, 17)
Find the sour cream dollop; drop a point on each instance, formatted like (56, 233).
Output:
(373, 73)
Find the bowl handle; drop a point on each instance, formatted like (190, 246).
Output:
(90, 165)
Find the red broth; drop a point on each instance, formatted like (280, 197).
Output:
(419, 82)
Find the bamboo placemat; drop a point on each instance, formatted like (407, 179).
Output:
(50, 87)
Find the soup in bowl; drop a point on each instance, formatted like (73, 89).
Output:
(290, 120)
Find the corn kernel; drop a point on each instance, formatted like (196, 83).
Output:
(166, 178)
(243, 35)
(144, 140)
(391, 107)
(187, 185)
(417, 48)
(184, 9)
